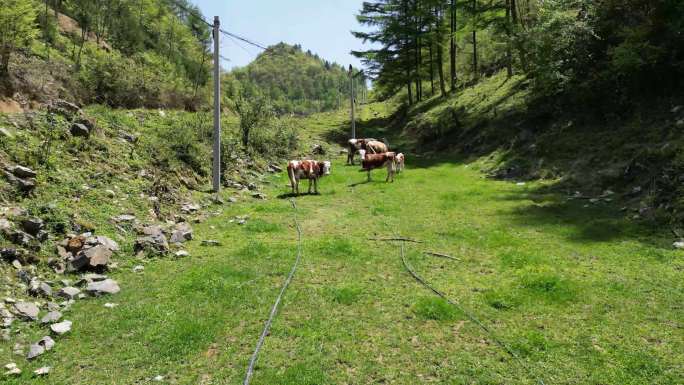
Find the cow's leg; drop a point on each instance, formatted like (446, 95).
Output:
(297, 186)
(369, 176)
(350, 155)
(316, 186)
(291, 175)
(309, 185)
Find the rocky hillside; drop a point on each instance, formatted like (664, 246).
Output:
(85, 193)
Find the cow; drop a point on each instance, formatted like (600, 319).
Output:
(354, 146)
(376, 147)
(373, 161)
(400, 162)
(306, 169)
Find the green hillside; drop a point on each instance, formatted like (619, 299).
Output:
(293, 81)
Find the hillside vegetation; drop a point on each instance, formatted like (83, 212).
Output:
(293, 81)
(125, 53)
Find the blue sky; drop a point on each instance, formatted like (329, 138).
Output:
(323, 26)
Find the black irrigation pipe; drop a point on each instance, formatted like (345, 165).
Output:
(469, 315)
(274, 309)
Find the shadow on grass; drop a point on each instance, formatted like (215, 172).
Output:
(300, 195)
(580, 221)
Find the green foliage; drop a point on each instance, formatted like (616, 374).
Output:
(17, 29)
(293, 81)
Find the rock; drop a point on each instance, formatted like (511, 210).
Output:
(182, 254)
(158, 378)
(317, 149)
(680, 123)
(94, 277)
(110, 193)
(45, 344)
(27, 310)
(25, 185)
(678, 245)
(21, 238)
(124, 218)
(66, 106)
(5, 224)
(44, 371)
(80, 130)
(182, 233)
(32, 225)
(61, 328)
(68, 292)
(138, 269)
(258, 195)
(156, 244)
(232, 200)
(189, 208)
(16, 264)
(111, 305)
(676, 109)
(50, 317)
(98, 255)
(274, 168)
(210, 242)
(22, 172)
(128, 137)
(12, 369)
(108, 286)
(251, 186)
(37, 287)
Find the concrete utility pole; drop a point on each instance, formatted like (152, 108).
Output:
(217, 109)
(351, 93)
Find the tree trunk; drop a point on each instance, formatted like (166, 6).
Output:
(432, 71)
(452, 51)
(440, 51)
(509, 55)
(475, 74)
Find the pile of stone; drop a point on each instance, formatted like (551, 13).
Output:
(85, 252)
(22, 177)
(154, 240)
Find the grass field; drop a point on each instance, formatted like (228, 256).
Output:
(582, 296)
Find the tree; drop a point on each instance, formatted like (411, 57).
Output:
(452, 44)
(17, 29)
(254, 111)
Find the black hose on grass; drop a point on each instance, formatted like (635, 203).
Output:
(274, 309)
(469, 315)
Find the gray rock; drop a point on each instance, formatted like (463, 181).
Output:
(27, 310)
(232, 200)
(676, 109)
(80, 130)
(45, 344)
(61, 327)
(138, 269)
(180, 236)
(37, 287)
(5, 224)
(21, 238)
(124, 218)
(32, 225)
(68, 292)
(182, 254)
(44, 371)
(152, 243)
(680, 123)
(50, 317)
(210, 242)
(678, 245)
(108, 243)
(258, 195)
(12, 370)
(189, 208)
(108, 286)
(22, 172)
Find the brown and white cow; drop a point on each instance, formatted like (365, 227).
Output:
(355, 145)
(306, 169)
(373, 161)
(400, 162)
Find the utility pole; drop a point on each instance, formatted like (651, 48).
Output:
(351, 93)
(217, 109)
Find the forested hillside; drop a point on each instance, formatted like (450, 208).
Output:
(294, 81)
(127, 53)
(588, 94)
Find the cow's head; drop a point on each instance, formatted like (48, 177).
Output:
(325, 167)
(362, 154)
(352, 142)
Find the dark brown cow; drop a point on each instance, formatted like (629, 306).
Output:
(373, 161)
(308, 169)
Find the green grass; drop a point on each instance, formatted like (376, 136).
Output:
(581, 295)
